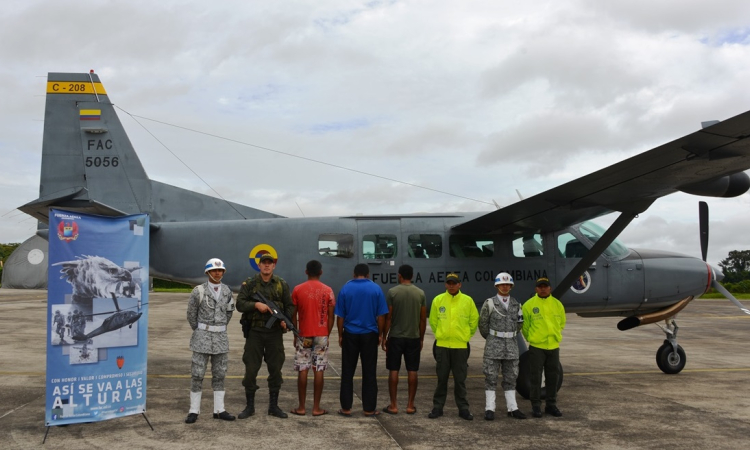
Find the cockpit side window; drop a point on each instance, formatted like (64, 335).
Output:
(528, 246)
(570, 247)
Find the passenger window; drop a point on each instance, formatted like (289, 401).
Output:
(425, 245)
(465, 246)
(337, 245)
(379, 246)
(529, 246)
(570, 247)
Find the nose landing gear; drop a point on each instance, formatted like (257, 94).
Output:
(670, 357)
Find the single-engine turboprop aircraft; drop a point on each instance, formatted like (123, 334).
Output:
(89, 165)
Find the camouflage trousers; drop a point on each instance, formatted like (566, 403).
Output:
(219, 364)
(492, 369)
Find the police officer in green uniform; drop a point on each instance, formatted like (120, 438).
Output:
(263, 343)
(543, 322)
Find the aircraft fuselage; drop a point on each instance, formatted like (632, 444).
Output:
(619, 285)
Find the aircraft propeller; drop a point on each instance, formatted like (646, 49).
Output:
(717, 275)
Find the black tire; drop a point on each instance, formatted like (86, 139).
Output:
(668, 361)
(523, 382)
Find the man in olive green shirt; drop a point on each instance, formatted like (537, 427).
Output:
(543, 322)
(263, 343)
(403, 335)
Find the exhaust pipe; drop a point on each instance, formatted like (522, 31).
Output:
(653, 317)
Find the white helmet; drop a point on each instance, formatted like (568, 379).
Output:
(504, 278)
(214, 263)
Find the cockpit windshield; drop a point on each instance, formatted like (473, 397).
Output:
(593, 232)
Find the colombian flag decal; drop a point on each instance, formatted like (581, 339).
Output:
(91, 114)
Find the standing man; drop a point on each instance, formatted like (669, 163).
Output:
(209, 310)
(262, 343)
(59, 322)
(499, 321)
(453, 319)
(314, 319)
(403, 335)
(69, 323)
(361, 311)
(543, 322)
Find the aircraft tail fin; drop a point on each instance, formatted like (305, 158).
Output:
(89, 164)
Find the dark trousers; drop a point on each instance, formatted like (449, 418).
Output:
(449, 360)
(262, 346)
(364, 347)
(549, 361)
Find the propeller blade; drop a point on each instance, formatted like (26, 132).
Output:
(703, 222)
(716, 285)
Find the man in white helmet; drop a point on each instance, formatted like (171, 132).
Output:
(209, 310)
(500, 320)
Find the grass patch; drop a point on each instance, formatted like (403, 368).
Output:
(171, 286)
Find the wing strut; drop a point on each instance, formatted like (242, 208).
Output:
(599, 246)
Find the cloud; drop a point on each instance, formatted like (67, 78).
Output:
(464, 100)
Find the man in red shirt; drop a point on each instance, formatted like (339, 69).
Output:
(314, 319)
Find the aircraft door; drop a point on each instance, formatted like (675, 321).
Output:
(378, 246)
(589, 293)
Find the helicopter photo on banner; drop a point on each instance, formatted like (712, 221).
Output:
(97, 317)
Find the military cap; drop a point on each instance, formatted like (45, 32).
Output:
(452, 277)
(267, 256)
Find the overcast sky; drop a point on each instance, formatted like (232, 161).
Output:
(474, 98)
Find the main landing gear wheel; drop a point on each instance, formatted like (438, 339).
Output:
(668, 360)
(523, 383)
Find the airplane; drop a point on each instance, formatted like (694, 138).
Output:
(90, 166)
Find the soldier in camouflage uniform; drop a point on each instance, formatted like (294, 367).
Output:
(500, 320)
(59, 322)
(260, 342)
(209, 310)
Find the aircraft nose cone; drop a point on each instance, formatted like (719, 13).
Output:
(718, 274)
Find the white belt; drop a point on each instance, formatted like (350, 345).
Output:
(503, 334)
(214, 328)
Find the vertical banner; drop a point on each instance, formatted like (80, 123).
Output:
(97, 317)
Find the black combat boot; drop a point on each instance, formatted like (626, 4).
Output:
(273, 407)
(250, 409)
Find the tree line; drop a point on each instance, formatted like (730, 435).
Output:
(736, 268)
(5, 251)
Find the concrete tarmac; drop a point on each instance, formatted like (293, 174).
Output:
(613, 396)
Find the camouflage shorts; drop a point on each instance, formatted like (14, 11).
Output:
(311, 352)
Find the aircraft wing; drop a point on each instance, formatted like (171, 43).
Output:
(700, 163)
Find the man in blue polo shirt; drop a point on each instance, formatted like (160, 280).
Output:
(360, 311)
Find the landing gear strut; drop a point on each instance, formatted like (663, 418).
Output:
(670, 357)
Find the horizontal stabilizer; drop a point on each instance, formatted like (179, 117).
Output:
(73, 199)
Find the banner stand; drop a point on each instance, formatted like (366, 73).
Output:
(48, 427)
(97, 318)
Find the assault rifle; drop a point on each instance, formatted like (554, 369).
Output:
(276, 314)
